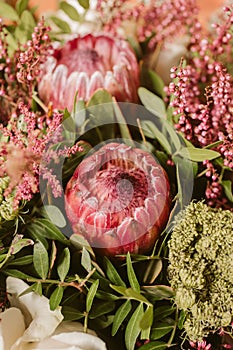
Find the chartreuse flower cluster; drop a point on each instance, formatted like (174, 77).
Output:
(201, 265)
(7, 211)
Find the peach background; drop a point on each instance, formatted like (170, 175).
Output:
(206, 6)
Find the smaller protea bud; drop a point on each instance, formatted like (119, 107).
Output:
(87, 63)
(118, 199)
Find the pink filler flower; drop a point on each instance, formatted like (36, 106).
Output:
(118, 199)
(86, 64)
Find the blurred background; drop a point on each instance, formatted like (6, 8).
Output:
(207, 7)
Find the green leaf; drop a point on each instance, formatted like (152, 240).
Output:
(63, 264)
(69, 10)
(227, 185)
(147, 318)
(48, 230)
(161, 329)
(181, 320)
(55, 215)
(28, 22)
(91, 295)
(154, 345)
(56, 298)
(101, 309)
(112, 273)
(61, 24)
(8, 12)
(150, 130)
(120, 316)
(101, 96)
(37, 288)
(163, 311)
(152, 81)
(71, 314)
(79, 242)
(18, 244)
(152, 102)
(86, 259)
(21, 5)
(132, 294)
(17, 274)
(125, 133)
(131, 274)
(159, 292)
(133, 328)
(198, 154)
(119, 289)
(40, 260)
(154, 267)
(84, 3)
(24, 260)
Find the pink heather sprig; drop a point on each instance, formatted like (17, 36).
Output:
(200, 345)
(35, 54)
(202, 101)
(162, 20)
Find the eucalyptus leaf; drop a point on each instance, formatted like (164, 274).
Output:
(227, 185)
(125, 133)
(120, 316)
(8, 12)
(69, 10)
(152, 102)
(112, 273)
(133, 328)
(84, 3)
(91, 295)
(150, 130)
(61, 24)
(55, 215)
(40, 260)
(198, 154)
(86, 259)
(56, 297)
(63, 264)
(131, 274)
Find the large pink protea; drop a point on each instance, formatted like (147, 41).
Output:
(118, 199)
(85, 64)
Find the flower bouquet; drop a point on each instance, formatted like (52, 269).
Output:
(116, 215)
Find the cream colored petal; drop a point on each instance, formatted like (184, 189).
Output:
(12, 327)
(44, 321)
(81, 340)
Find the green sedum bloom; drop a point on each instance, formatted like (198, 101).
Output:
(201, 268)
(7, 211)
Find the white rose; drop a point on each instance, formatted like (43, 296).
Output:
(30, 324)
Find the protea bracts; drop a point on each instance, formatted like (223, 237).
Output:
(85, 64)
(118, 199)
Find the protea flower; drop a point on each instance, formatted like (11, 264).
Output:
(87, 63)
(118, 199)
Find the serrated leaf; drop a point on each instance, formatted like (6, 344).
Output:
(198, 154)
(112, 273)
(91, 295)
(63, 264)
(69, 10)
(79, 242)
(55, 215)
(71, 314)
(227, 185)
(61, 24)
(133, 328)
(160, 330)
(152, 102)
(154, 345)
(84, 3)
(21, 5)
(102, 309)
(86, 260)
(8, 12)
(131, 274)
(40, 260)
(56, 297)
(120, 316)
(150, 130)
(147, 318)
